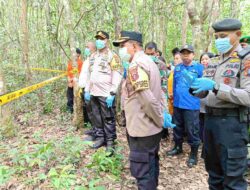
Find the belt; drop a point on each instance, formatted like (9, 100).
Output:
(223, 112)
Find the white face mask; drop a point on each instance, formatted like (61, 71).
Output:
(124, 55)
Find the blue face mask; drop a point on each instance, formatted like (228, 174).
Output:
(100, 44)
(223, 45)
(124, 55)
(87, 52)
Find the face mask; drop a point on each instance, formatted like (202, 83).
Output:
(223, 45)
(154, 58)
(100, 44)
(123, 53)
(87, 52)
(125, 64)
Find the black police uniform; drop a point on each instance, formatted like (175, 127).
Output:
(225, 134)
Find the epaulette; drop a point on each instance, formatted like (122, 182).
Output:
(243, 53)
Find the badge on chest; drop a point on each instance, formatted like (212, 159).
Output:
(210, 70)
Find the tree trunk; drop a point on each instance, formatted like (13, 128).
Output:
(197, 20)
(152, 22)
(25, 40)
(235, 8)
(196, 25)
(184, 27)
(214, 16)
(134, 11)
(78, 119)
(162, 29)
(116, 18)
(52, 35)
(6, 121)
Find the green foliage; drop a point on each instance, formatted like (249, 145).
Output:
(5, 174)
(48, 107)
(62, 177)
(102, 162)
(87, 125)
(70, 149)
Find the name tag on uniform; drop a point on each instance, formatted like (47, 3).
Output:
(233, 66)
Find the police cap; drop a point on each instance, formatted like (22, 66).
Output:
(102, 34)
(228, 24)
(128, 35)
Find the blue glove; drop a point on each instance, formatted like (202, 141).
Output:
(202, 84)
(188, 77)
(167, 120)
(110, 100)
(125, 73)
(87, 96)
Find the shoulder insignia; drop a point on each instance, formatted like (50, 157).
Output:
(247, 68)
(115, 63)
(138, 78)
(243, 53)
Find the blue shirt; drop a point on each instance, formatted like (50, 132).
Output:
(182, 98)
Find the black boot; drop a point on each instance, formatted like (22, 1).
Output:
(99, 142)
(89, 138)
(192, 160)
(175, 151)
(110, 148)
(165, 134)
(88, 132)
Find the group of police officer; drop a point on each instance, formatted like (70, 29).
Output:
(225, 85)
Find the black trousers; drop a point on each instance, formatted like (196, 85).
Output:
(225, 152)
(70, 99)
(202, 118)
(103, 118)
(144, 160)
(186, 121)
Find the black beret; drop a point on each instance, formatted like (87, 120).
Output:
(245, 39)
(102, 34)
(227, 25)
(188, 48)
(128, 35)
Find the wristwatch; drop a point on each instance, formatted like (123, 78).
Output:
(112, 93)
(216, 88)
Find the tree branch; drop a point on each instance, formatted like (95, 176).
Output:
(57, 27)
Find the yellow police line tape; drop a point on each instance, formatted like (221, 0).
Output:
(39, 69)
(47, 70)
(74, 70)
(6, 98)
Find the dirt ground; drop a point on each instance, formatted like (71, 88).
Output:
(174, 174)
